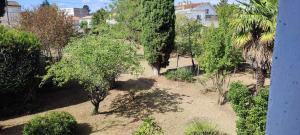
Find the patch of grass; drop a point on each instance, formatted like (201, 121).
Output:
(201, 128)
(149, 127)
(181, 74)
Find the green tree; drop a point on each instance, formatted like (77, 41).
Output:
(188, 31)
(219, 57)
(99, 17)
(255, 26)
(95, 62)
(158, 32)
(87, 8)
(84, 26)
(128, 15)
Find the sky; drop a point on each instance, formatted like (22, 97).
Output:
(93, 4)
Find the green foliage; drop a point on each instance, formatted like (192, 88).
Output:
(54, 123)
(181, 74)
(149, 127)
(219, 55)
(85, 26)
(241, 98)
(201, 128)
(188, 33)
(95, 62)
(251, 110)
(129, 17)
(19, 59)
(158, 31)
(99, 17)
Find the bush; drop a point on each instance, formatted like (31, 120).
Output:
(240, 97)
(149, 127)
(54, 123)
(201, 128)
(181, 74)
(19, 60)
(251, 110)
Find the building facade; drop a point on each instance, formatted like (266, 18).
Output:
(204, 12)
(77, 12)
(12, 14)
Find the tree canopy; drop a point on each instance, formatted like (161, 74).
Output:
(255, 26)
(128, 15)
(158, 32)
(95, 62)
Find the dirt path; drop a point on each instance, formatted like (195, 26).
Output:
(173, 104)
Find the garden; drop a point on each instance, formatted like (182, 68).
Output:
(152, 73)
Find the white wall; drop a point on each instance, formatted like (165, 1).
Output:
(14, 16)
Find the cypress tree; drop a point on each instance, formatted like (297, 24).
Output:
(158, 32)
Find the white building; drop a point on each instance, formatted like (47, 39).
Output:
(204, 12)
(12, 14)
(78, 12)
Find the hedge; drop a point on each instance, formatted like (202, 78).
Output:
(19, 59)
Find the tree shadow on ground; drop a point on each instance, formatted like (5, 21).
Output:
(145, 104)
(48, 98)
(139, 84)
(84, 129)
(14, 130)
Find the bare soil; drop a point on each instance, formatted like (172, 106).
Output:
(172, 104)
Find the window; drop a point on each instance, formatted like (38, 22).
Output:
(207, 11)
(198, 17)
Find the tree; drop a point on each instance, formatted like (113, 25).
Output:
(87, 8)
(45, 3)
(219, 56)
(187, 34)
(158, 32)
(2, 7)
(99, 17)
(85, 26)
(53, 28)
(255, 27)
(95, 62)
(128, 15)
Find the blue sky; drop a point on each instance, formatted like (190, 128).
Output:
(93, 4)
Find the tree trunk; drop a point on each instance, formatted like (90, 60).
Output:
(260, 78)
(177, 59)
(156, 70)
(96, 108)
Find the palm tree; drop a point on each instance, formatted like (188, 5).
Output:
(255, 27)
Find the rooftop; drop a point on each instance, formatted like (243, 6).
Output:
(189, 5)
(13, 3)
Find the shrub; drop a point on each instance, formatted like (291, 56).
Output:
(181, 74)
(251, 110)
(240, 97)
(201, 128)
(54, 123)
(149, 127)
(19, 60)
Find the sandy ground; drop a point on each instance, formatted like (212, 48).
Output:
(172, 104)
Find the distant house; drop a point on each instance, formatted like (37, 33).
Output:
(78, 12)
(204, 12)
(12, 14)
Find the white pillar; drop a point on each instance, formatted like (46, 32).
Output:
(284, 102)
